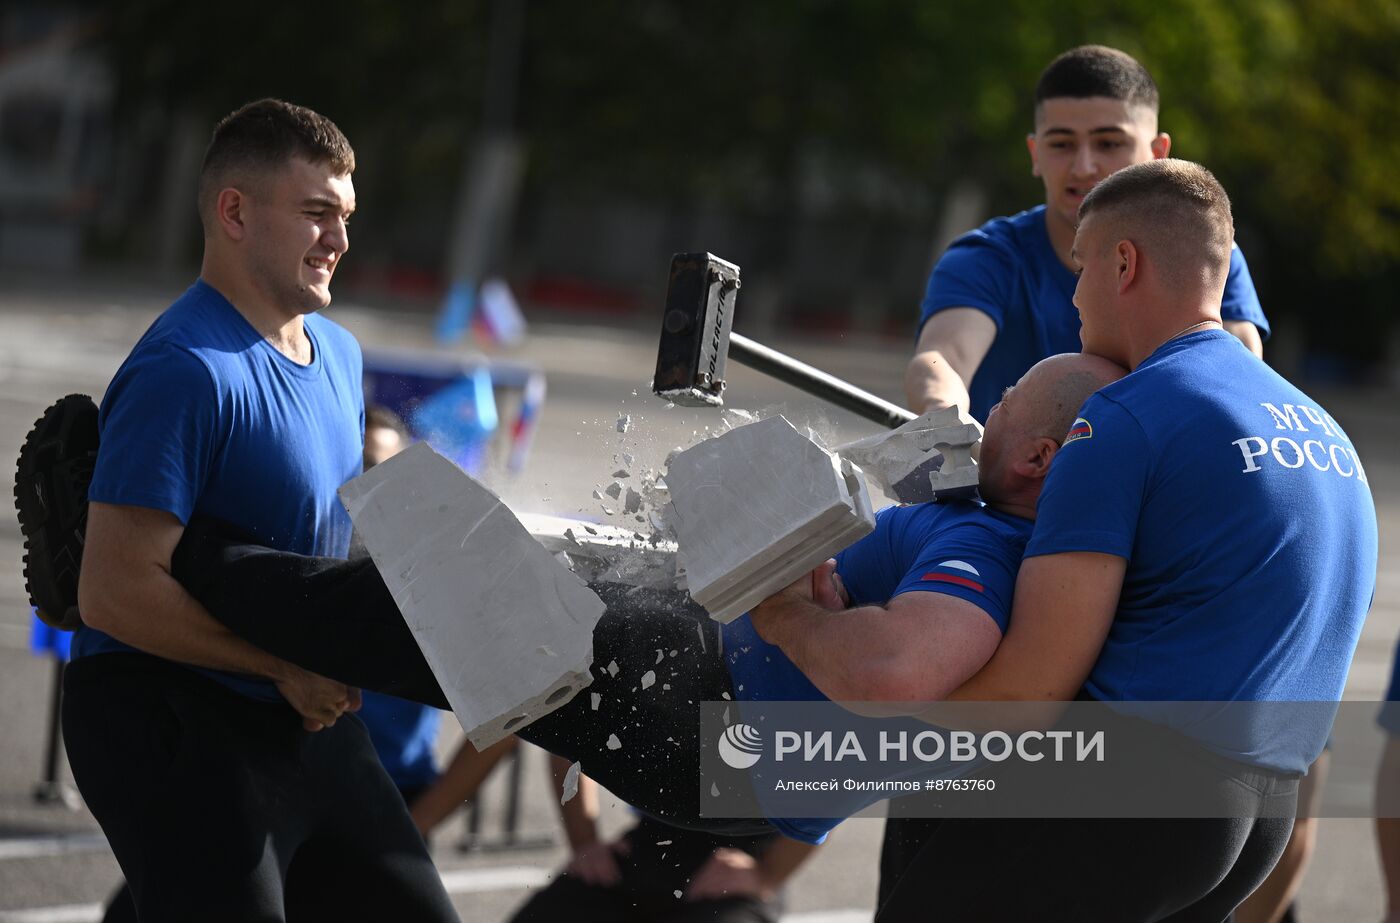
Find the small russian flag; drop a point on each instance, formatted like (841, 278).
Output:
(959, 573)
(1080, 430)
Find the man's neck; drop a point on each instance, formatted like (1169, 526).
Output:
(1178, 325)
(1020, 506)
(284, 331)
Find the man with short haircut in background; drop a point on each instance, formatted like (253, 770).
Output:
(999, 299)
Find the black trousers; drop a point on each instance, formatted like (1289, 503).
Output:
(1086, 871)
(338, 619)
(219, 807)
(651, 875)
(1111, 869)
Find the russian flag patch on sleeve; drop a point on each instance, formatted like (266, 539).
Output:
(1080, 430)
(959, 573)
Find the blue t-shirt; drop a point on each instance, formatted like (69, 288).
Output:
(1250, 533)
(403, 734)
(1008, 269)
(206, 418)
(960, 548)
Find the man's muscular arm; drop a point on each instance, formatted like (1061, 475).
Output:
(125, 589)
(1063, 608)
(951, 346)
(917, 648)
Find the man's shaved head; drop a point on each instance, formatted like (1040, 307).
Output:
(1055, 389)
(1030, 424)
(1176, 211)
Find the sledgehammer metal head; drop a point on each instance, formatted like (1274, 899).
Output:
(695, 330)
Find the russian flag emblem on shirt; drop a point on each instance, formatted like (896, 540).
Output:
(959, 573)
(1080, 430)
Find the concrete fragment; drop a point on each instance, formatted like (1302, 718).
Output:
(648, 679)
(758, 507)
(594, 700)
(506, 629)
(633, 501)
(614, 743)
(622, 473)
(612, 668)
(614, 489)
(929, 457)
(570, 787)
(624, 422)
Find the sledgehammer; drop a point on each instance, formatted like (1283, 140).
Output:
(696, 341)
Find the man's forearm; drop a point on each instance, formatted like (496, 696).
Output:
(851, 655)
(458, 783)
(579, 814)
(931, 383)
(152, 612)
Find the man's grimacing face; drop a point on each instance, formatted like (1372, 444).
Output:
(1078, 142)
(298, 230)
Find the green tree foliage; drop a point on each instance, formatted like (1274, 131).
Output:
(1294, 103)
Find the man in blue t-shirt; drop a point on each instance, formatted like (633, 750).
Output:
(999, 299)
(1218, 531)
(213, 766)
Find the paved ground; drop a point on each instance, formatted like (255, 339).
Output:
(70, 337)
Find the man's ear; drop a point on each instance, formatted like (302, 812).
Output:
(1034, 464)
(1030, 146)
(1125, 254)
(1161, 145)
(228, 212)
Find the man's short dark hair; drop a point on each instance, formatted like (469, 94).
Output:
(1178, 204)
(1097, 70)
(263, 136)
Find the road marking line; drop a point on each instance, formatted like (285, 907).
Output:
(67, 913)
(500, 878)
(30, 847)
(458, 882)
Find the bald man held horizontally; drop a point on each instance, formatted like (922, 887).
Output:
(1231, 556)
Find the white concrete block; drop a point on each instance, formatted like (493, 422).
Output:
(927, 458)
(757, 507)
(506, 629)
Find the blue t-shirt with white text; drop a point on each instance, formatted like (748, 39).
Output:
(1008, 269)
(1248, 526)
(205, 417)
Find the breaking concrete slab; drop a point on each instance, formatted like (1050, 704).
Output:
(609, 553)
(757, 507)
(929, 458)
(506, 629)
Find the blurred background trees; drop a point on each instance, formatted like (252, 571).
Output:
(830, 146)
